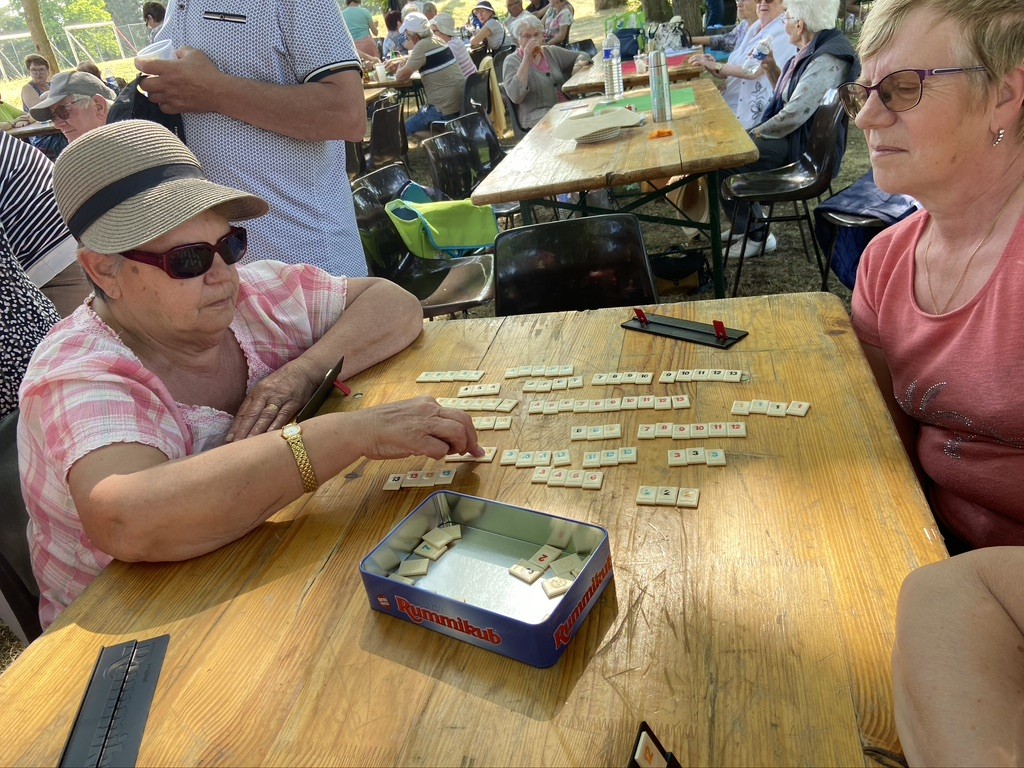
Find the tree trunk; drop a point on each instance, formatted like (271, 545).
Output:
(691, 14)
(605, 5)
(656, 10)
(39, 39)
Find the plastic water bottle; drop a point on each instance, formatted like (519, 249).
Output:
(612, 63)
(757, 56)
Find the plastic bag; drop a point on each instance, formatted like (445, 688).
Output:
(445, 229)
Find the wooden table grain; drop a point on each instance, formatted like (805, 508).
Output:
(589, 80)
(44, 128)
(755, 630)
(707, 138)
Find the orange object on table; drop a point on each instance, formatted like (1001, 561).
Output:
(661, 133)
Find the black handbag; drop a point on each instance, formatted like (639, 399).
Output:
(132, 103)
(629, 42)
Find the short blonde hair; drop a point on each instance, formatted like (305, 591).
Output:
(990, 35)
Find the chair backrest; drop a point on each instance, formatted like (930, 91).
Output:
(476, 133)
(387, 137)
(584, 46)
(825, 146)
(477, 92)
(386, 183)
(513, 114)
(386, 254)
(450, 164)
(499, 58)
(574, 264)
(355, 163)
(19, 595)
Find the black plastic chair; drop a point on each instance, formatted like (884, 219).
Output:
(388, 142)
(485, 152)
(19, 594)
(806, 179)
(512, 110)
(584, 46)
(477, 93)
(451, 166)
(355, 160)
(443, 286)
(574, 264)
(499, 59)
(386, 183)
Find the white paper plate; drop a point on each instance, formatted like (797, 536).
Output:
(603, 135)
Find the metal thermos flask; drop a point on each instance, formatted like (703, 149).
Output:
(661, 98)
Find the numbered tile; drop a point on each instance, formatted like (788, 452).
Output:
(507, 406)
(667, 496)
(684, 374)
(698, 431)
(716, 374)
(427, 479)
(596, 406)
(717, 429)
(578, 433)
(777, 409)
(759, 406)
(561, 458)
(695, 456)
(715, 457)
(565, 565)
(798, 408)
(486, 422)
(546, 555)
(574, 479)
(524, 459)
(647, 495)
(614, 378)
(575, 382)
(663, 429)
(393, 483)
(591, 459)
(740, 407)
(630, 403)
(444, 477)
(508, 458)
(609, 458)
(557, 477)
(565, 405)
(524, 570)
(699, 374)
(680, 431)
(550, 407)
(489, 453)
(556, 586)
(667, 377)
(663, 403)
(502, 422)
(688, 497)
(677, 458)
(592, 481)
(644, 378)
(599, 379)
(429, 551)
(737, 429)
(543, 386)
(414, 566)
(411, 480)
(627, 456)
(541, 458)
(511, 373)
(538, 370)
(530, 385)
(402, 579)
(565, 370)
(541, 475)
(613, 404)
(551, 370)
(629, 377)
(646, 432)
(646, 403)
(580, 406)
(595, 433)
(560, 384)
(680, 401)
(611, 431)
(734, 377)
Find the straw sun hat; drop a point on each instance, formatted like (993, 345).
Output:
(126, 183)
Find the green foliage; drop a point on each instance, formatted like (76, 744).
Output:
(59, 13)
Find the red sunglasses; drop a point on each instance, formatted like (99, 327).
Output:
(187, 261)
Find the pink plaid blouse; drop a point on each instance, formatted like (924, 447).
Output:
(84, 390)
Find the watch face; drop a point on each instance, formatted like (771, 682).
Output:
(291, 430)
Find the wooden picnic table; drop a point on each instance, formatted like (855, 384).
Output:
(706, 138)
(754, 630)
(589, 80)
(44, 128)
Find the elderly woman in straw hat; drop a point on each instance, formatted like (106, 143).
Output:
(151, 423)
(938, 310)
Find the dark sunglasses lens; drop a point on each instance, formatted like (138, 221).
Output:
(233, 246)
(900, 91)
(190, 261)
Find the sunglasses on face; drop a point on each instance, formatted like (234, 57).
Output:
(898, 91)
(63, 111)
(187, 261)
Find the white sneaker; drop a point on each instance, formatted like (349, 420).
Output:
(753, 249)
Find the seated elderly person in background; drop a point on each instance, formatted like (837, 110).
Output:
(443, 81)
(557, 17)
(151, 419)
(394, 41)
(77, 103)
(746, 14)
(824, 59)
(492, 34)
(443, 27)
(937, 296)
(748, 94)
(534, 73)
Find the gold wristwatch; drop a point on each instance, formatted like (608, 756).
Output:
(292, 433)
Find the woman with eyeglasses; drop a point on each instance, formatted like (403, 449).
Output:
(151, 418)
(938, 310)
(824, 59)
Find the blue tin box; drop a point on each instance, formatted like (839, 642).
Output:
(468, 592)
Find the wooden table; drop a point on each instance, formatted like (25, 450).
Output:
(589, 80)
(755, 630)
(707, 138)
(372, 94)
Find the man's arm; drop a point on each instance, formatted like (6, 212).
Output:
(331, 108)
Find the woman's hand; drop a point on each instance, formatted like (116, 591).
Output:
(418, 427)
(276, 400)
(531, 47)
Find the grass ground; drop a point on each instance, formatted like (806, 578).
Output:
(784, 271)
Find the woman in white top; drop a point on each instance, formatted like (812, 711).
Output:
(492, 34)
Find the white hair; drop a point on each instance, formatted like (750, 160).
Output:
(815, 14)
(528, 21)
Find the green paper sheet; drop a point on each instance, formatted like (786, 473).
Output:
(681, 97)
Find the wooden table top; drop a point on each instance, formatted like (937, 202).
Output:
(591, 79)
(372, 94)
(46, 128)
(754, 630)
(707, 137)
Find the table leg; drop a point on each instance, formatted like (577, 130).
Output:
(526, 211)
(717, 262)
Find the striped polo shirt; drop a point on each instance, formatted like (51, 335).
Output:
(286, 42)
(443, 81)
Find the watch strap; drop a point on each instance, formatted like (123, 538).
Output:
(309, 481)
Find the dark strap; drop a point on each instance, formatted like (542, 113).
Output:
(116, 193)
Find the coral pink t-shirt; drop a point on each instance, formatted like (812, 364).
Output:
(960, 375)
(84, 389)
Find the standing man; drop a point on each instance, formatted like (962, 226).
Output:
(268, 93)
(153, 15)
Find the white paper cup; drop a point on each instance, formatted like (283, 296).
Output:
(162, 50)
(641, 64)
(381, 72)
